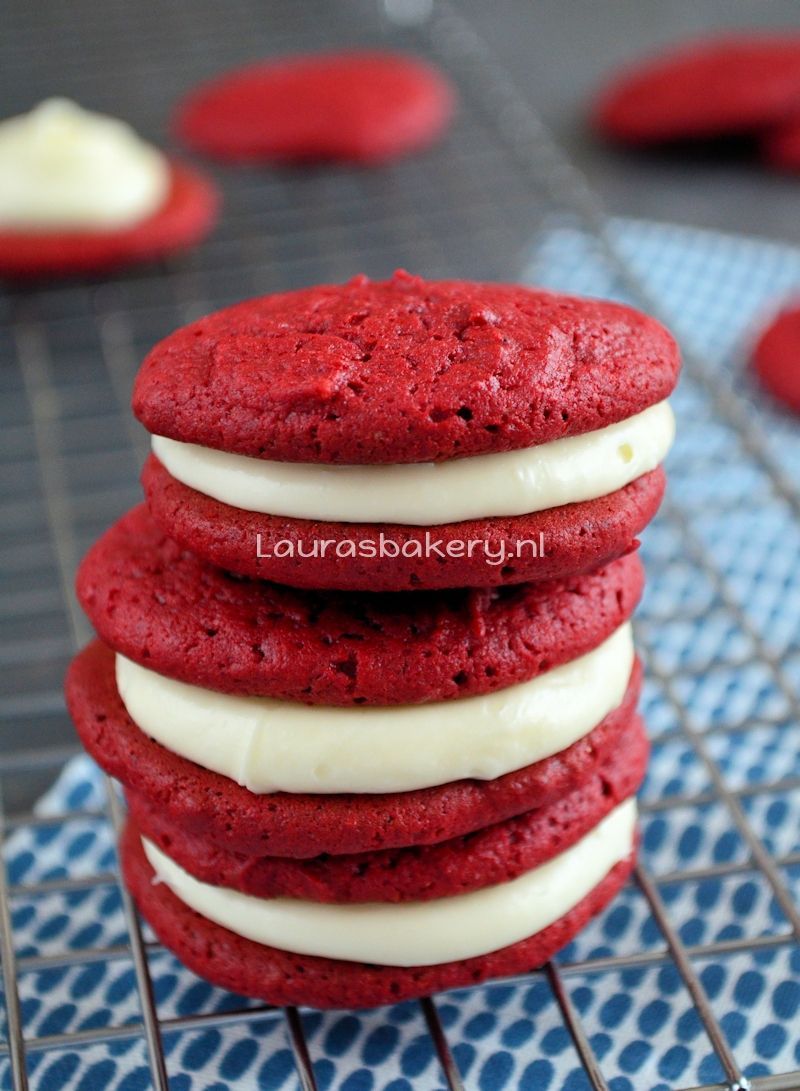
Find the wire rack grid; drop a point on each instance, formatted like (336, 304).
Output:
(70, 448)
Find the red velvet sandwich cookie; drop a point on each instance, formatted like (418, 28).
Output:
(736, 84)
(363, 107)
(209, 805)
(381, 436)
(495, 854)
(82, 193)
(187, 216)
(176, 614)
(776, 357)
(279, 977)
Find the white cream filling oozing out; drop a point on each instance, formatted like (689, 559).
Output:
(64, 167)
(564, 471)
(415, 933)
(270, 745)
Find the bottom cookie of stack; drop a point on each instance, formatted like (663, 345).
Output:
(370, 953)
(357, 900)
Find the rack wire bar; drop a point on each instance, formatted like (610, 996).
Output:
(67, 884)
(152, 1029)
(596, 964)
(32, 355)
(302, 1057)
(692, 981)
(116, 323)
(577, 1033)
(16, 1041)
(133, 1031)
(442, 1046)
(757, 1083)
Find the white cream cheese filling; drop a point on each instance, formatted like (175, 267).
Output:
(62, 167)
(270, 745)
(415, 933)
(564, 471)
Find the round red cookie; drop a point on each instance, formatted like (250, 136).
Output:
(187, 216)
(566, 540)
(279, 977)
(493, 855)
(209, 805)
(361, 107)
(404, 370)
(781, 146)
(704, 89)
(165, 608)
(776, 358)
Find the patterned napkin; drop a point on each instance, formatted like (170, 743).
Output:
(720, 628)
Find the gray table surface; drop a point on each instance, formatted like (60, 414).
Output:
(559, 51)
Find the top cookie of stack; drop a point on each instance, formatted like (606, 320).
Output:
(409, 434)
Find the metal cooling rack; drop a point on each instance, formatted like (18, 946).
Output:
(71, 451)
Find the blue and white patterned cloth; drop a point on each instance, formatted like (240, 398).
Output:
(720, 627)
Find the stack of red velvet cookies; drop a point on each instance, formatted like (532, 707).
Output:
(365, 665)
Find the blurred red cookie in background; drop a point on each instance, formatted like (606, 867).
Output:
(357, 106)
(704, 89)
(776, 357)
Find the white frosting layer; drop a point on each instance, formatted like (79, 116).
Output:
(284, 746)
(64, 167)
(415, 933)
(431, 493)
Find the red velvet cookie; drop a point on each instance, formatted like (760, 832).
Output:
(401, 371)
(363, 107)
(776, 357)
(715, 87)
(186, 217)
(208, 805)
(493, 855)
(279, 977)
(574, 538)
(176, 614)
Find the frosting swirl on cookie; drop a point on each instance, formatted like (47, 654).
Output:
(65, 168)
